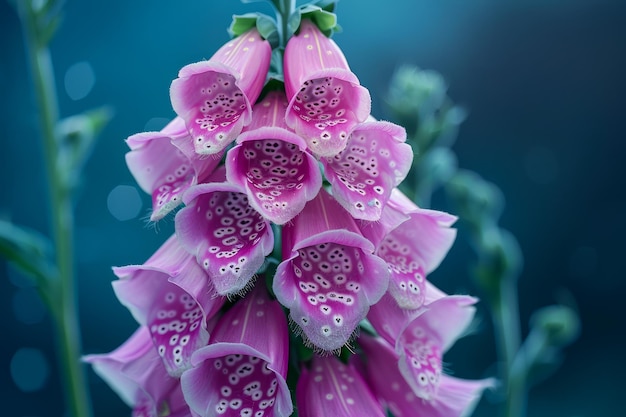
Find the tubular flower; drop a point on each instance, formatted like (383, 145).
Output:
(373, 163)
(271, 163)
(242, 371)
(329, 276)
(164, 171)
(326, 99)
(135, 372)
(169, 294)
(422, 337)
(413, 242)
(229, 239)
(455, 397)
(332, 388)
(215, 97)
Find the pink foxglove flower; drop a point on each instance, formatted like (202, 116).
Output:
(135, 372)
(413, 242)
(164, 171)
(229, 239)
(329, 277)
(326, 99)
(373, 163)
(170, 295)
(242, 371)
(455, 397)
(422, 337)
(331, 388)
(215, 97)
(271, 163)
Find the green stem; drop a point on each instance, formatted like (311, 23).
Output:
(285, 9)
(64, 310)
(508, 335)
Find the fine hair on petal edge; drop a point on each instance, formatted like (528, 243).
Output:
(298, 332)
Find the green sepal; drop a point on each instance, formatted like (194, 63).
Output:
(323, 17)
(266, 26)
(29, 251)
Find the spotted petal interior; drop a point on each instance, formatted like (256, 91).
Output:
(175, 326)
(330, 280)
(420, 359)
(323, 110)
(363, 174)
(212, 105)
(276, 173)
(245, 386)
(234, 242)
(407, 284)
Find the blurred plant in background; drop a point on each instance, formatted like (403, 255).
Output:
(404, 332)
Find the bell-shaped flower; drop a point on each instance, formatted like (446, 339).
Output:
(455, 397)
(329, 277)
(326, 99)
(229, 239)
(170, 295)
(413, 242)
(164, 171)
(373, 163)
(136, 373)
(215, 97)
(422, 337)
(242, 371)
(331, 388)
(272, 164)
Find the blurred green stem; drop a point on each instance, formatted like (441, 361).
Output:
(285, 9)
(507, 330)
(62, 290)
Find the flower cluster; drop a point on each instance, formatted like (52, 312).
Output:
(305, 175)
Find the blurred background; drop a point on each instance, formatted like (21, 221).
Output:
(542, 82)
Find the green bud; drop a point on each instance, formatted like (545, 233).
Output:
(559, 323)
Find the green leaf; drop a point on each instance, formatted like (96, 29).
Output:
(325, 20)
(28, 250)
(77, 137)
(242, 23)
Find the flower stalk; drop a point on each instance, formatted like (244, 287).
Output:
(60, 289)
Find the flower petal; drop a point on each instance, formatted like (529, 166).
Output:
(373, 163)
(214, 97)
(326, 100)
(332, 388)
(229, 239)
(243, 371)
(329, 277)
(271, 163)
(162, 170)
(176, 318)
(423, 341)
(455, 398)
(136, 373)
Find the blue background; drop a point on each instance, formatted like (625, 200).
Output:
(542, 81)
